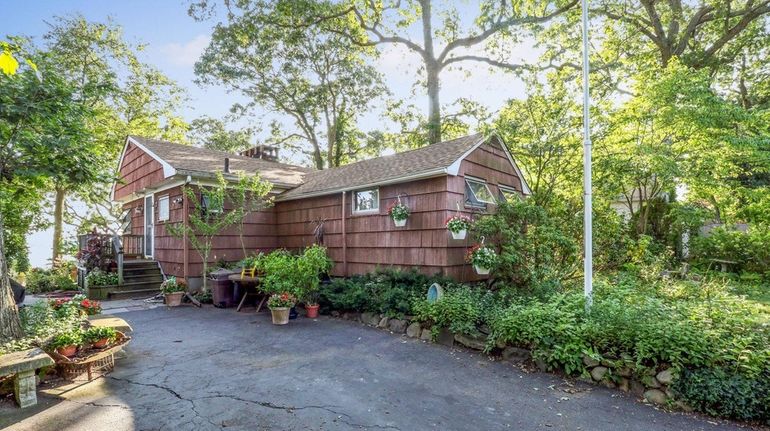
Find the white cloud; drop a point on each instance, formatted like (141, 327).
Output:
(185, 54)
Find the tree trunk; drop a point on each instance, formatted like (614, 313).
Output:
(432, 70)
(10, 326)
(434, 108)
(58, 223)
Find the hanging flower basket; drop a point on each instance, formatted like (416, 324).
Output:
(482, 258)
(458, 225)
(399, 213)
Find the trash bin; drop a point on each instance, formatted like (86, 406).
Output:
(222, 288)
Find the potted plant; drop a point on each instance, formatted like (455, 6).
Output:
(173, 291)
(399, 212)
(279, 305)
(66, 343)
(482, 258)
(100, 336)
(311, 265)
(91, 307)
(458, 225)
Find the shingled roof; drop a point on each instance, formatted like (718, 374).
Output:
(432, 159)
(184, 159)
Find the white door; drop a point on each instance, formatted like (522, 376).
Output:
(149, 231)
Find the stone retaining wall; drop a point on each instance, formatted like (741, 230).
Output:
(612, 373)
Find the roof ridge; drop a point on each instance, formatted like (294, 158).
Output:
(220, 152)
(402, 152)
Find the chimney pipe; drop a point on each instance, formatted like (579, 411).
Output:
(227, 165)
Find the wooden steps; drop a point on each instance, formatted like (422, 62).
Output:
(141, 278)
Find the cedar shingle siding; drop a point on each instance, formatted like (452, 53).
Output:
(428, 181)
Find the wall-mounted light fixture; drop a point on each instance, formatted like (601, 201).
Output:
(138, 210)
(178, 200)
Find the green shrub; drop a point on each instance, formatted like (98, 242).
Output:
(462, 309)
(48, 280)
(391, 292)
(41, 322)
(97, 277)
(751, 249)
(535, 254)
(724, 393)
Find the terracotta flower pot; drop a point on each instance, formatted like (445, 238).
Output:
(280, 315)
(312, 310)
(480, 270)
(174, 299)
(459, 235)
(99, 344)
(400, 223)
(68, 351)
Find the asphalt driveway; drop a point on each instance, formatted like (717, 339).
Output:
(206, 369)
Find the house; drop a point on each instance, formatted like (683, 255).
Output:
(467, 174)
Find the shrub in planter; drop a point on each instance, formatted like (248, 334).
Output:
(97, 277)
(458, 225)
(66, 343)
(310, 266)
(173, 291)
(279, 305)
(99, 336)
(399, 213)
(482, 258)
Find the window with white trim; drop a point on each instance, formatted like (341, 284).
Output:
(507, 194)
(365, 201)
(477, 193)
(163, 208)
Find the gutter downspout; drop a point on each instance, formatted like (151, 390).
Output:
(344, 241)
(185, 215)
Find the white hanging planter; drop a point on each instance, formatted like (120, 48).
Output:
(400, 223)
(480, 270)
(459, 235)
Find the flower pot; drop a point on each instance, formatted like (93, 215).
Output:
(280, 315)
(174, 299)
(68, 351)
(100, 344)
(293, 312)
(480, 270)
(459, 235)
(400, 223)
(312, 310)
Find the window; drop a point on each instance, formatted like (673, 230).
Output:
(163, 208)
(507, 194)
(211, 204)
(477, 193)
(366, 201)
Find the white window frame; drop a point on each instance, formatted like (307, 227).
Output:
(374, 210)
(161, 215)
(507, 189)
(468, 181)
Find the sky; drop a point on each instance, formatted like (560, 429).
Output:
(174, 41)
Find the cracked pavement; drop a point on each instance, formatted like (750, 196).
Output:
(212, 369)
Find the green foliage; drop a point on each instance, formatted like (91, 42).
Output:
(65, 339)
(172, 285)
(48, 280)
(299, 275)
(725, 393)
(750, 250)
(462, 309)
(97, 333)
(97, 277)
(312, 264)
(535, 254)
(391, 292)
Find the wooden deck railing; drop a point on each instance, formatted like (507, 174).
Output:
(114, 246)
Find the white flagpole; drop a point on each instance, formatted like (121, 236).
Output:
(588, 274)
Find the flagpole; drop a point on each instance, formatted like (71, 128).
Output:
(588, 274)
